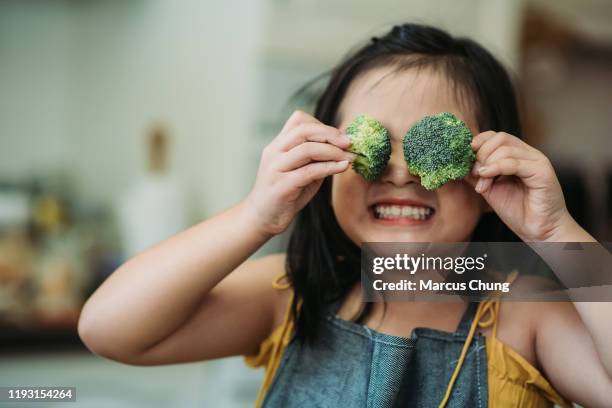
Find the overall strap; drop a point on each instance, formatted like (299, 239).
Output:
(467, 319)
(278, 347)
(491, 306)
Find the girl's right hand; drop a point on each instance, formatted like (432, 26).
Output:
(292, 169)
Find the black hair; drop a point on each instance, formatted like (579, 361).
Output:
(323, 264)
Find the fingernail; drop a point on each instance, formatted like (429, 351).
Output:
(351, 156)
(479, 185)
(343, 163)
(483, 169)
(475, 169)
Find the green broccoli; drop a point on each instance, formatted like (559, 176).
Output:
(437, 149)
(370, 141)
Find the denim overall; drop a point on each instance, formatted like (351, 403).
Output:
(351, 365)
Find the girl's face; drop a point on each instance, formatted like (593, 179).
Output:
(395, 207)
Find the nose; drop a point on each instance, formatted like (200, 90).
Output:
(397, 172)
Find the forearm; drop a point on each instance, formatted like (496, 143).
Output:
(595, 258)
(155, 292)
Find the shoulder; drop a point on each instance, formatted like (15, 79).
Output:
(516, 329)
(521, 323)
(526, 284)
(253, 283)
(266, 265)
(539, 311)
(517, 322)
(270, 273)
(256, 275)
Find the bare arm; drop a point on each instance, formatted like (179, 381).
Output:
(568, 355)
(153, 294)
(193, 296)
(573, 339)
(233, 319)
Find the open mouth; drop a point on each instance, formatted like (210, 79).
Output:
(394, 213)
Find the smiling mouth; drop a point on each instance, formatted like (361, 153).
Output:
(401, 213)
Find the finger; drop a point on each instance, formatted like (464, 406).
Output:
(312, 151)
(474, 171)
(315, 171)
(297, 118)
(495, 142)
(504, 152)
(501, 153)
(483, 185)
(313, 132)
(509, 167)
(480, 138)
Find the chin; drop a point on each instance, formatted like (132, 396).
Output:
(424, 231)
(401, 237)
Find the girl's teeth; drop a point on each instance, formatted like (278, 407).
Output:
(403, 211)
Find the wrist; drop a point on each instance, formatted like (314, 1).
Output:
(251, 220)
(568, 230)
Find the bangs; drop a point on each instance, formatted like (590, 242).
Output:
(453, 69)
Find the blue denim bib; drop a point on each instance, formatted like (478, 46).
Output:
(351, 365)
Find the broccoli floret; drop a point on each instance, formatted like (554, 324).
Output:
(370, 141)
(437, 149)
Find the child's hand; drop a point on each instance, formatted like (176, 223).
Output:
(292, 169)
(527, 195)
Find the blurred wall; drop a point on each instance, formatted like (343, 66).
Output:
(84, 81)
(36, 47)
(325, 31)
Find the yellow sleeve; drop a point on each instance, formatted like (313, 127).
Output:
(272, 348)
(271, 343)
(262, 357)
(514, 381)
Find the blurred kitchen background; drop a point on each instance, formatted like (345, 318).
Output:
(122, 122)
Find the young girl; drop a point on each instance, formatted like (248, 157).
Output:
(196, 296)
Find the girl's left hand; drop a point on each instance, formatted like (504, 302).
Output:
(519, 184)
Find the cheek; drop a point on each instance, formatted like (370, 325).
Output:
(348, 189)
(349, 199)
(460, 202)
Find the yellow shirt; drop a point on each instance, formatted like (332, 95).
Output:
(512, 380)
